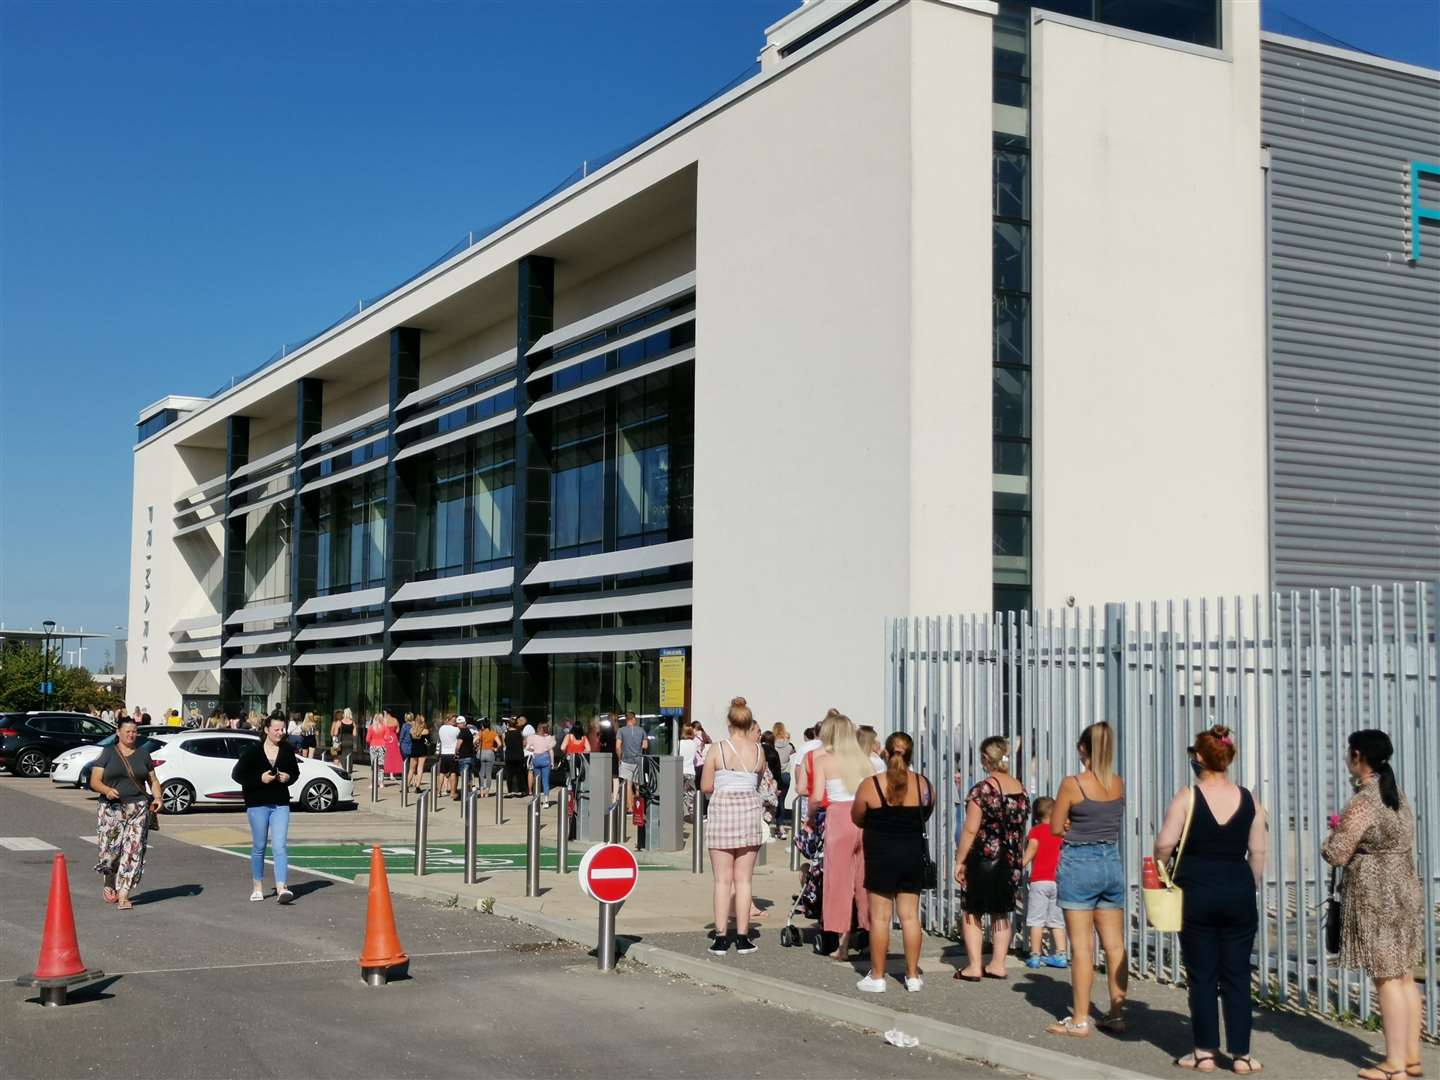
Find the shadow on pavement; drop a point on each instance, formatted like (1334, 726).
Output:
(154, 896)
(305, 888)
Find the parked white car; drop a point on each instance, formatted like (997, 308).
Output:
(73, 766)
(194, 769)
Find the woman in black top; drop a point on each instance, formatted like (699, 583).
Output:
(265, 772)
(1221, 861)
(515, 758)
(119, 778)
(891, 810)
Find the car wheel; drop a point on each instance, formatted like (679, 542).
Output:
(319, 796)
(176, 796)
(32, 763)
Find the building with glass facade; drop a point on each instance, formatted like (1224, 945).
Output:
(952, 306)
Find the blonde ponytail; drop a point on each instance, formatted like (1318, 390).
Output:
(1098, 742)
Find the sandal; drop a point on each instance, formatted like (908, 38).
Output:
(1195, 1062)
(1069, 1026)
(1414, 1068)
(123, 905)
(110, 895)
(1377, 1073)
(1113, 1022)
(1251, 1065)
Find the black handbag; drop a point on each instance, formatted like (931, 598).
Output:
(929, 872)
(1334, 913)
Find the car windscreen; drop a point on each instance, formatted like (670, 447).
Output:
(148, 745)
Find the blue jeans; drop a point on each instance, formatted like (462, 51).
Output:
(1089, 877)
(276, 821)
(541, 764)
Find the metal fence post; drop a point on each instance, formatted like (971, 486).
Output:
(697, 836)
(471, 813)
(422, 831)
(532, 848)
(562, 831)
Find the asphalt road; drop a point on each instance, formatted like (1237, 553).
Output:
(202, 983)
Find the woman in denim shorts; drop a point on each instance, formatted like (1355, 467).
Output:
(1089, 811)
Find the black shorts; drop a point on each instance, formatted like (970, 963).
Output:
(447, 764)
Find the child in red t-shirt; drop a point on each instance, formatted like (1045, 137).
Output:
(1042, 908)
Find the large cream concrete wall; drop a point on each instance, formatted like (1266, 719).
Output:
(1149, 408)
(663, 263)
(805, 452)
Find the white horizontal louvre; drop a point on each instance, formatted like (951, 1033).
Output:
(260, 613)
(346, 601)
(609, 563)
(636, 305)
(345, 474)
(455, 586)
(335, 631)
(287, 478)
(283, 454)
(480, 616)
(610, 346)
(240, 663)
(498, 420)
(327, 657)
(190, 493)
(347, 448)
(209, 521)
(463, 650)
(618, 378)
(455, 406)
(607, 641)
(264, 637)
(195, 622)
(260, 504)
(475, 373)
(567, 607)
(197, 665)
(202, 645)
(194, 508)
(330, 434)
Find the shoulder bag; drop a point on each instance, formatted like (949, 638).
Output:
(152, 819)
(1164, 907)
(929, 872)
(1334, 913)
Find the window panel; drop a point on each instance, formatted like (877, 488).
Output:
(1012, 333)
(1012, 184)
(1012, 256)
(1011, 402)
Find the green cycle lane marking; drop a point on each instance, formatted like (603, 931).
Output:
(350, 860)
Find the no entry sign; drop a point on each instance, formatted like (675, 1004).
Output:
(608, 873)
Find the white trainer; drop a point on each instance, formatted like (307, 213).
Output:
(914, 985)
(871, 985)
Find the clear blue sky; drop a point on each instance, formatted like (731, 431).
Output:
(185, 186)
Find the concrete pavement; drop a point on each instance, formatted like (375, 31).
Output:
(202, 983)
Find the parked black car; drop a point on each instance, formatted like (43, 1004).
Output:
(30, 741)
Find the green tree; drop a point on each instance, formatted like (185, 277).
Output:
(22, 670)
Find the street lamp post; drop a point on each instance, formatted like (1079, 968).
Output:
(49, 625)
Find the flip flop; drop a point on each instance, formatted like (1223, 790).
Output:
(1251, 1065)
(1195, 1063)
(965, 978)
(109, 894)
(992, 975)
(1414, 1068)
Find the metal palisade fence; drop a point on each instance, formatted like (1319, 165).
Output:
(1290, 674)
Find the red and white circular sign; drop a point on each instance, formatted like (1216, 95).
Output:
(608, 873)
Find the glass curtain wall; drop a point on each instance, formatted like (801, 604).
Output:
(267, 554)
(583, 685)
(350, 543)
(346, 686)
(465, 507)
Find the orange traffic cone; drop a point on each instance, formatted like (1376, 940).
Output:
(381, 951)
(59, 966)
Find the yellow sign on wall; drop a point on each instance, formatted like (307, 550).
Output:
(672, 680)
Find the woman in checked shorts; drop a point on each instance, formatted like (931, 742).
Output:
(734, 829)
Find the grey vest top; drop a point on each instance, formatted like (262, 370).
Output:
(1093, 822)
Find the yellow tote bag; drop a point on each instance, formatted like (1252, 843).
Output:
(1164, 906)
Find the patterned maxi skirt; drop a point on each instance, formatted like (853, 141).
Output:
(733, 819)
(122, 829)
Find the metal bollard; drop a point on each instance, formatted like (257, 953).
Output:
(532, 849)
(374, 784)
(562, 832)
(405, 784)
(499, 800)
(422, 831)
(471, 813)
(697, 836)
(795, 836)
(624, 813)
(434, 780)
(614, 816)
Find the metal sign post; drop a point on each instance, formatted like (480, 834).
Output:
(608, 875)
(422, 831)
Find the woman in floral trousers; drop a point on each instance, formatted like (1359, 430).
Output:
(119, 778)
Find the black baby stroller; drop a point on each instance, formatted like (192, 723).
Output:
(810, 898)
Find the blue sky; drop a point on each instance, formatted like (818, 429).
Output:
(185, 186)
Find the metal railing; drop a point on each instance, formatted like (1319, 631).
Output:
(1290, 674)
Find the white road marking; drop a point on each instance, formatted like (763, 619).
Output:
(297, 866)
(620, 873)
(26, 843)
(90, 839)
